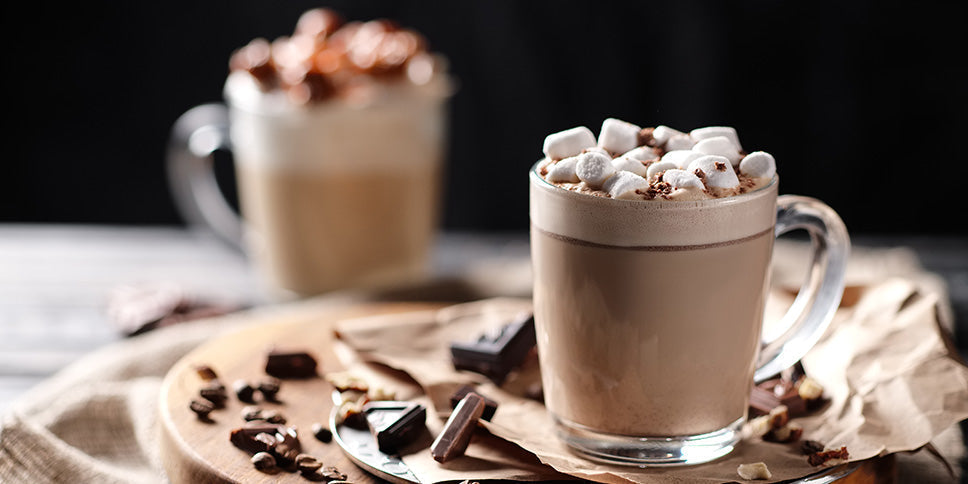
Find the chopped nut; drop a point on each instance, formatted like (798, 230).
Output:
(350, 412)
(381, 393)
(759, 426)
(809, 389)
(756, 470)
(829, 458)
(788, 433)
(344, 381)
(263, 461)
(779, 417)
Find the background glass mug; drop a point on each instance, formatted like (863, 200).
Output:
(649, 315)
(333, 195)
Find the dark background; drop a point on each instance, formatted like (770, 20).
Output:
(863, 104)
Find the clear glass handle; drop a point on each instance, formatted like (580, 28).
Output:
(820, 294)
(196, 135)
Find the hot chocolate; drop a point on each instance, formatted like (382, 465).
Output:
(338, 134)
(651, 249)
(649, 314)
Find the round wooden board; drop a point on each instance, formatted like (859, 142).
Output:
(197, 452)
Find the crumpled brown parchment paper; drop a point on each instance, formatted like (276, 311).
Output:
(886, 367)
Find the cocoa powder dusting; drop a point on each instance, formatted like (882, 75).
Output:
(646, 138)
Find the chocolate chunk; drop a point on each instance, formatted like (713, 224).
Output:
(395, 424)
(762, 400)
(290, 364)
(456, 435)
(490, 406)
(322, 433)
(495, 355)
(244, 391)
(772, 393)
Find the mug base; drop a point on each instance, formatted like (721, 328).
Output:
(678, 450)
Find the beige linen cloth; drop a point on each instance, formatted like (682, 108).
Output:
(95, 421)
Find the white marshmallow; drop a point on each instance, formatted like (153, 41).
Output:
(717, 170)
(719, 145)
(662, 133)
(596, 149)
(626, 163)
(700, 134)
(660, 167)
(594, 168)
(681, 158)
(758, 164)
(567, 143)
(679, 142)
(618, 136)
(623, 185)
(642, 153)
(563, 171)
(682, 179)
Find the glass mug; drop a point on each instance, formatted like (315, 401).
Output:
(333, 195)
(649, 315)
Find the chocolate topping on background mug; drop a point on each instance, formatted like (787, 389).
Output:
(649, 313)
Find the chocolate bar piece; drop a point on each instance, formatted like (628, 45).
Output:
(768, 395)
(495, 355)
(453, 439)
(395, 424)
(490, 406)
(297, 364)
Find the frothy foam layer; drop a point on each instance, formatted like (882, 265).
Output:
(714, 163)
(269, 133)
(634, 223)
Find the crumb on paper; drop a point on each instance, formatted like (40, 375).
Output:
(756, 470)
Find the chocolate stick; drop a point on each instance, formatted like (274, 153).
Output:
(453, 439)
